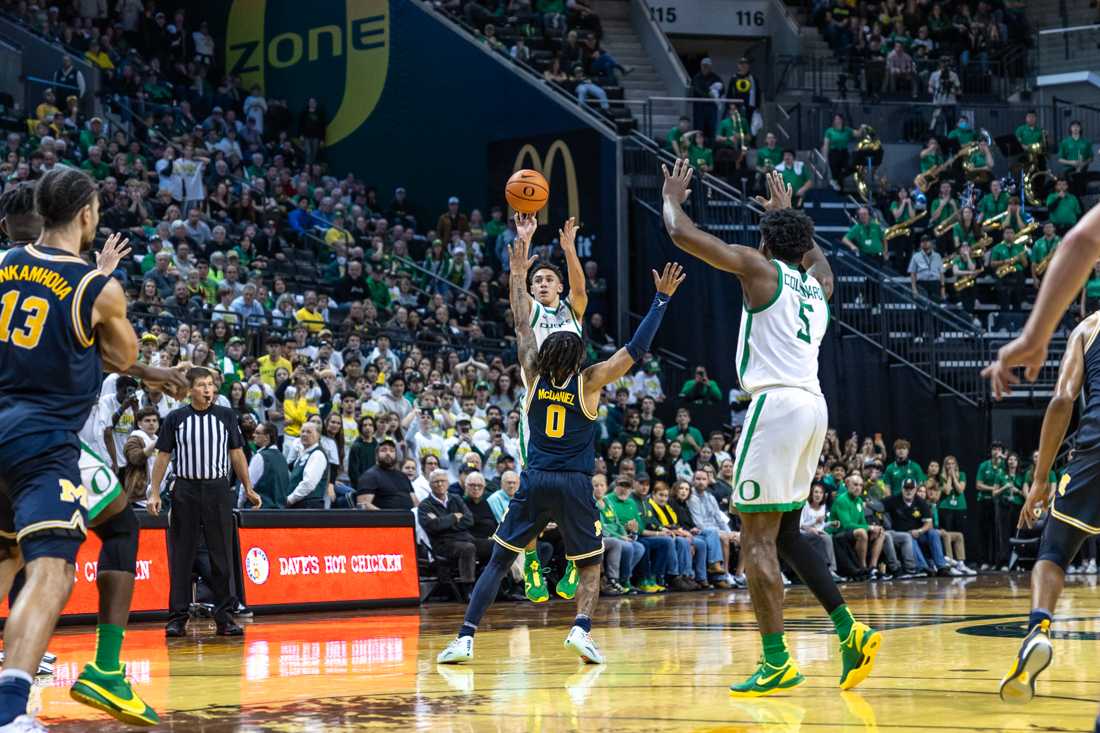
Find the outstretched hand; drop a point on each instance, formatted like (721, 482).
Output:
(669, 279)
(1022, 351)
(567, 235)
(1036, 501)
(677, 182)
(114, 249)
(779, 193)
(519, 257)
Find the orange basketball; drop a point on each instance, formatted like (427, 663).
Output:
(527, 191)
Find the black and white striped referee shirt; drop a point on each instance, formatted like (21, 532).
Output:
(201, 441)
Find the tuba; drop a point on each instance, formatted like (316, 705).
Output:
(902, 228)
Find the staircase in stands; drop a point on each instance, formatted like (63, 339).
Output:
(621, 41)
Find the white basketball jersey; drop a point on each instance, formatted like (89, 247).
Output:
(779, 341)
(545, 321)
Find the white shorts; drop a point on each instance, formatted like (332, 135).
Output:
(98, 479)
(779, 450)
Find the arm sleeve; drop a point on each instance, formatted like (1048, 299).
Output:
(166, 439)
(315, 471)
(255, 469)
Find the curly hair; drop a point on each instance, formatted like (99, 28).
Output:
(788, 234)
(17, 210)
(560, 357)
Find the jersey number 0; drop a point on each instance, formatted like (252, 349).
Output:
(555, 421)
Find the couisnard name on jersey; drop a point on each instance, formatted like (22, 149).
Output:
(555, 395)
(803, 289)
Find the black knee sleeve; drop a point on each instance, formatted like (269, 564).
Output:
(119, 536)
(1060, 542)
(806, 561)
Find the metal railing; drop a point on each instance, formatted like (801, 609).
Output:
(1069, 49)
(944, 346)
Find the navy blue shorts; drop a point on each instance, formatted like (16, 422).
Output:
(564, 497)
(42, 504)
(1077, 498)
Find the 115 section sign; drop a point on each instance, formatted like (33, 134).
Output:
(747, 18)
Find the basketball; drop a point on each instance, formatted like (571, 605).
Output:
(527, 191)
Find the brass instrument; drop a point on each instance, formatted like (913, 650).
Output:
(1024, 235)
(1043, 264)
(1032, 176)
(1006, 269)
(940, 229)
(902, 228)
(924, 181)
(1034, 152)
(994, 223)
(973, 175)
(978, 250)
(868, 153)
(966, 282)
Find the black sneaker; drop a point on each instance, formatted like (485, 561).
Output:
(230, 628)
(175, 629)
(243, 611)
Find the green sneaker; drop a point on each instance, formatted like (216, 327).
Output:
(112, 693)
(567, 586)
(649, 585)
(857, 653)
(534, 586)
(768, 680)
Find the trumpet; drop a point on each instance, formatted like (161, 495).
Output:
(902, 228)
(994, 223)
(1008, 267)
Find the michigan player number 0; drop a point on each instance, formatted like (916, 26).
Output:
(555, 421)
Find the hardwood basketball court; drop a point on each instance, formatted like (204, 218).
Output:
(670, 659)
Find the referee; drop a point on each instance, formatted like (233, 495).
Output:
(205, 439)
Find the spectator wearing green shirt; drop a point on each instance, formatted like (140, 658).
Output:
(701, 389)
(963, 134)
(993, 203)
(675, 136)
(94, 165)
(943, 207)
(621, 553)
(688, 436)
(952, 505)
(902, 468)
(847, 523)
(770, 155)
(1075, 152)
(1043, 248)
(1030, 133)
(834, 481)
(866, 235)
(931, 155)
(834, 146)
(1010, 289)
(1064, 207)
(731, 140)
(967, 231)
(990, 478)
(797, 176)
(698, 154)
(979, 166)
(1007, 503)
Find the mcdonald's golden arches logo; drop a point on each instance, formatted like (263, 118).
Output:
(360, 41)
(545, 166)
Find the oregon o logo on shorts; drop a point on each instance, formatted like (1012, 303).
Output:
(755, 490)
(256, 565)
(100, 481)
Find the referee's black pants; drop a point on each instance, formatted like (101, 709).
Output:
(204, 507)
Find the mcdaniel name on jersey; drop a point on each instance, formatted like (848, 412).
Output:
(556, 395)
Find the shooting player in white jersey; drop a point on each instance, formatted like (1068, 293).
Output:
(786, 284)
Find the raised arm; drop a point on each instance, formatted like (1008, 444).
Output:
(520, 262)
(690, 238)
(116, 337)
(1071, 376)
(1063, 280)
(816, 264)
(597, 376)
(578, 291)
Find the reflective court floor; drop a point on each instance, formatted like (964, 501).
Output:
(670, 659)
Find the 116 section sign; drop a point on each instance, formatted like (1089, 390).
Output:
(711, 17)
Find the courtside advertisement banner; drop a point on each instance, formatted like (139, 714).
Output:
(150, 587)
(305, 565)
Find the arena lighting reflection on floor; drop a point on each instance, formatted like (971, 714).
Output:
(670, 659)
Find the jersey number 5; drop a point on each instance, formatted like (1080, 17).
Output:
(36, 309)
(804, 332)
(555, 421)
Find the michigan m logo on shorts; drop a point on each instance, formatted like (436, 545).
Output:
(352, 49)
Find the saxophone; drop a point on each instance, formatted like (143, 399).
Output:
(902, 228)
(1024, 235)
(1006, 269)
(1043, 264)
(940, 229)
(967, 282)
(924, 181)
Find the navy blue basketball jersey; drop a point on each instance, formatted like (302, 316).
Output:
(1088, 431)
(558, 434)
(50, 369)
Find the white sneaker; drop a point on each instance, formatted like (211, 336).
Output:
(1091, 567)
(954, 571)
(1073, 570)
(967, 569)
(458, 651)
(23, 724)
(580, 641)
(786, 580)
(740, 581)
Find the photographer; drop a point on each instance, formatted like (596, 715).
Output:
(118, 417)
(944, 86)
(701, 389)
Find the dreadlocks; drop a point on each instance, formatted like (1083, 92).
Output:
(21, 222)
(560, 357)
